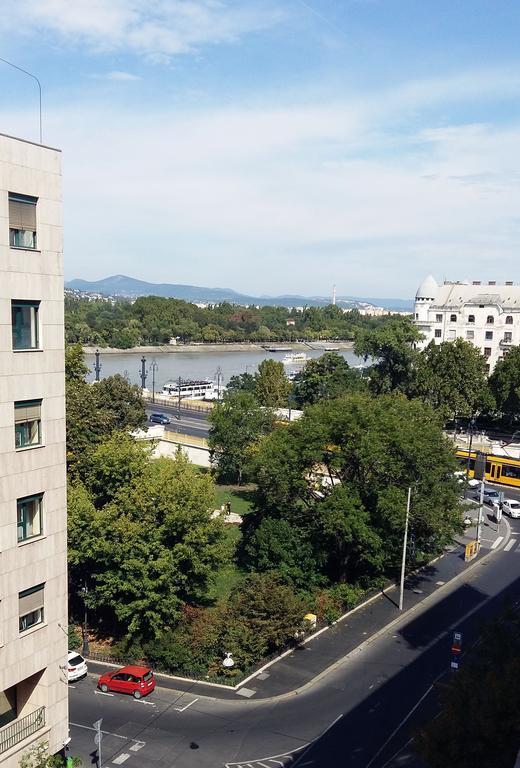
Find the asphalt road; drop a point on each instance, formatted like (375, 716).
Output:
(192, 422)
(359, 714)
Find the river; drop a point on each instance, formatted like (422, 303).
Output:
(195, 365)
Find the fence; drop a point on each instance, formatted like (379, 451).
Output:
(20, 729)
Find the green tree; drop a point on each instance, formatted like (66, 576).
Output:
(505, 384)
(120, 403)
(263, 615)
(327, 377)
(244, 382)
(237, 423)
(452, 378)
(83, 424)
(272, 386)
(391, 347)
(340, 475)
(37, 756)
(151, 548)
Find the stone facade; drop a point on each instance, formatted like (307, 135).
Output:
(33, 512)
(487, 315)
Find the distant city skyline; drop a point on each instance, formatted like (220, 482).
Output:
(274, 146)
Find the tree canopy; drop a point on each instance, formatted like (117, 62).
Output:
(505, 384)
(326, 377)
(392, 348)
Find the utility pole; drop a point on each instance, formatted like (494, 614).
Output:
(179, 398)
(97, 365)
(480, 514)
(142, 372)
(154, 367)
(405, 543)
(85, 649)
(219, 379)
(471, 429)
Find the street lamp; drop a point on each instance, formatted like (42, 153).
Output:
(218, 374)
(154, 367)
(471, 429)
(85, 648)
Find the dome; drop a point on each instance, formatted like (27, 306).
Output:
(428, 288)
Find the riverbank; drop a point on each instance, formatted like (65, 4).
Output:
(227, 347)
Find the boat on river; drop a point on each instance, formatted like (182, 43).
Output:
(295, 358)
(192, 389)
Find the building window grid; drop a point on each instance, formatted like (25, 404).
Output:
(490, 320)
(27, 424)
(22, 221)
(471, 319)
(25, 324)
(29, 517)
(489, 335)
(509, 320)
(31, 607)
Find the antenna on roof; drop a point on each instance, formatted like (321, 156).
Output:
(39, 88)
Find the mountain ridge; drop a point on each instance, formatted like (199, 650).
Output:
(129, 287)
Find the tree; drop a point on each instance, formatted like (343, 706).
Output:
(37, 756)
(149, 548)
(391, 346)
(263, 615)
(272, 386)
(121, 403)
(452, 378)
(237, 423)
(244, 382)
(339, 476)
(478, 723)
(505, 384)
(327, 377)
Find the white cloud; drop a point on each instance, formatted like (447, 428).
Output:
(154, 28)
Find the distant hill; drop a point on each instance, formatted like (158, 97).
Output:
(129, 287)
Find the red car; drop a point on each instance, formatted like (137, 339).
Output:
(139, 681)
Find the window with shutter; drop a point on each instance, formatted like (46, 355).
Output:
(28, 423)
(30, 607)
(22, 220)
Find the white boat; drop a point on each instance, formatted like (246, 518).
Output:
(295, 358)
(192, 389)
(331, 349)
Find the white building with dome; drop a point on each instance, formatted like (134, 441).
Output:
(485, 314)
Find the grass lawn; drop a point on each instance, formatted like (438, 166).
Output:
(239, 496)
(229, 574)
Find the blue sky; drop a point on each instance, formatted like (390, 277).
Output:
(277, 146)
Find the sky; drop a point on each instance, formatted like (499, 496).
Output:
(276, 146)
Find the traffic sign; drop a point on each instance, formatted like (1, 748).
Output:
(457, 638)
(97, 724)
(456, 649)
(97, 738)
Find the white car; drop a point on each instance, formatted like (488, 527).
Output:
(76, 666)
(511, 507)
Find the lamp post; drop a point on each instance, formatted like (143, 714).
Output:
(29, 74)
(471, 429)
(142, 372)
(218, 374)
(85, 648)
(154, 367)
(97, 364)
(405, 542)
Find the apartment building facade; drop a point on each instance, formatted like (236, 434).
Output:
(486, 315)
(33, 541)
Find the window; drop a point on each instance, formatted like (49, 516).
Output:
(453, 318)
(438, 333)
(22, 220)
(452, 335)
(489, 335)
(29, 511)
(490, 320)
(471, 318)
(30, 607)
(438, 318)
(24, 322)
(487, 351)
(470, 335)
(509, 320)
(508, 336)
(27, 423)
(416, 315)
(511, 471)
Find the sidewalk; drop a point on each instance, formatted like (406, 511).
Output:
(301, 665)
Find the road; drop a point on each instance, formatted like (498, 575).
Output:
(192, 422)
(354, 715)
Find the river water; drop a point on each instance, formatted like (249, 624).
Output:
(195, 365)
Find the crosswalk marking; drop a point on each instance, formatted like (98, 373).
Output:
(497, 542)
(510, 545)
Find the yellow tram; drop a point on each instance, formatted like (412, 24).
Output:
(499, 469)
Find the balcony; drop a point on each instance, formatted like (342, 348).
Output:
(506, 343)
(18, 730)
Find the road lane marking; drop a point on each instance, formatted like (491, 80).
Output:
(137, 746)
(510, 545)
(102, 693)
(497, 542)
(121, 759)
(273, 758)
(109, 733)
(181, 709)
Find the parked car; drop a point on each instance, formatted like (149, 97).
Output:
(159, 418)
(511, 507)
(139, 681)
(491, 496)
(76, 666)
